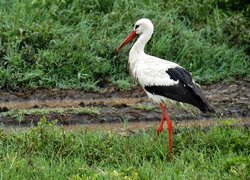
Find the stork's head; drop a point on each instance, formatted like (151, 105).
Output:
(142, 27)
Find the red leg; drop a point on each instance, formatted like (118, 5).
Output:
(170, 128)
(160, 128)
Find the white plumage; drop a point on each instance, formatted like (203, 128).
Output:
(159, 78)
(149, 70)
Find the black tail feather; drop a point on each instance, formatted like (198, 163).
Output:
(205, 107)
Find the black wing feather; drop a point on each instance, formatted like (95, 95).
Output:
(185, 91)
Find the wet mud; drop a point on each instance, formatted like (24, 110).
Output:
(229, 101)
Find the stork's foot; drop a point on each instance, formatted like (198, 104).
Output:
(170, 128)
(170, 141)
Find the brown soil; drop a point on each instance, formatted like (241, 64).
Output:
(229, 101)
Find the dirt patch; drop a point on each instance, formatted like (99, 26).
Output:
(229, 100)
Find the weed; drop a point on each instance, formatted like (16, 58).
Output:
(70, 44)
(48, 151)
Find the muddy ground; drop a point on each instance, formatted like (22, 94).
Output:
(111, 106)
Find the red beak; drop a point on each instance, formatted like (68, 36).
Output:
(129, 38)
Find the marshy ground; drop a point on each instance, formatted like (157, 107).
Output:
(24, 108)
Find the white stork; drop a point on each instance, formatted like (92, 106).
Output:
(161, 79)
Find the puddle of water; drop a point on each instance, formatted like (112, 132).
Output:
(127, 128)
(119, 128)
(70, 103)
(114, 127)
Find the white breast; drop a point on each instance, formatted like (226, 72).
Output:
(150, 70)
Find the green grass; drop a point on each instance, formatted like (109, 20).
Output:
(49, 152)
(70, 44)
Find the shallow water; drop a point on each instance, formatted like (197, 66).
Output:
(229, 101)
(127, 128)
(69, 103)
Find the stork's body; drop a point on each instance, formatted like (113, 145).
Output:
(161, 79)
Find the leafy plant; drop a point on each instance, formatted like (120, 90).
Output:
(49, 151)
(70, 44)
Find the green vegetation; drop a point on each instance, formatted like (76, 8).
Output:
(50, 152)
(71, 43)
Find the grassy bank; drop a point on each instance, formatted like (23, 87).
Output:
(70, 44)
(48, 152)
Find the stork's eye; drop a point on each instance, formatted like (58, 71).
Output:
(136, 26)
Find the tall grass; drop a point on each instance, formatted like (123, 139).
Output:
(49, 152)
(70, 44)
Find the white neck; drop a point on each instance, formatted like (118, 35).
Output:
(139, 45)
(137, 54)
